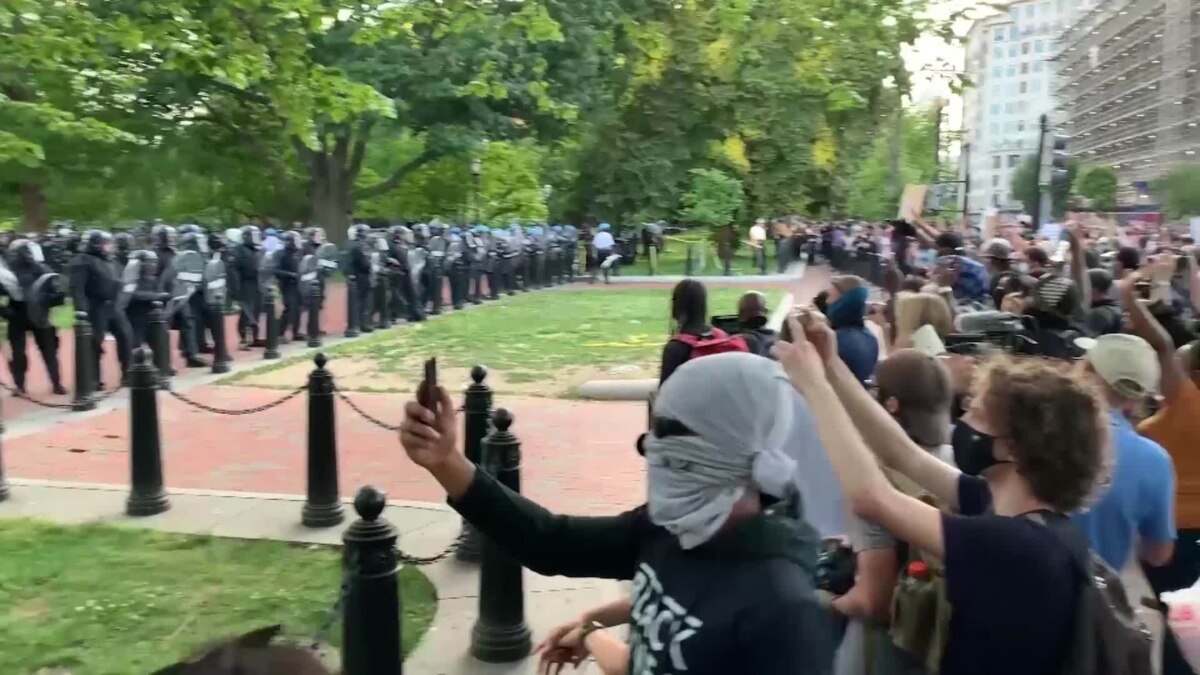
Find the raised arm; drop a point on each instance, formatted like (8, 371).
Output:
(549, 544)
(889, 442)
(867, 490)
(1079, 270)
(1143, 324)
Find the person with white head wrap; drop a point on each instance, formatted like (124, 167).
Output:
(722, 564)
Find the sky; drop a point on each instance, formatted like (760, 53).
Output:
(930, 55)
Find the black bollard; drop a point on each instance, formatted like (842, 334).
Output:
(352, 313)
(322, 508)
(160, 346)
(314, 316)
(371, 628)
(477, 411)
(272, 348)
(500, 634)
(146, 494)
(85, 362)
(221, 358)
(3, 483)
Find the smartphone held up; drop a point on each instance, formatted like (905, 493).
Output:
(427, 392)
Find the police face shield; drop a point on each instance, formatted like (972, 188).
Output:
(233, 236)
(34, 252)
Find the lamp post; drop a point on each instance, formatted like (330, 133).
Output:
(547, 192)
(476, 171)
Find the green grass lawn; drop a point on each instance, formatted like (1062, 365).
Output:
(539, 344)
(100, 600)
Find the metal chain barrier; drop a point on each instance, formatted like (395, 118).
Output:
(247, 411)
(368, 417)
(45, 404)
(335, 611)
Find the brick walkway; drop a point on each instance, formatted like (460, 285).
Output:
(577, 456)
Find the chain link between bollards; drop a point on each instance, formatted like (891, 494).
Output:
(236, 413)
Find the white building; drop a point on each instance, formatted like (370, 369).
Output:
(1012, 84)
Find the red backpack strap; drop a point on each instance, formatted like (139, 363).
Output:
(687, 339)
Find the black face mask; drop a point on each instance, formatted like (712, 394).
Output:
(973, 450)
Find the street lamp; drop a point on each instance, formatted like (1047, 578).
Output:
(547, 190)
(476, 171)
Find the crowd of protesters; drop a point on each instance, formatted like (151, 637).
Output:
(942, 472)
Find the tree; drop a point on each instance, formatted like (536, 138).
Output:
(1098, 184)
(874, 191)
(1026, 188)
(713, 200)
(1180, 191)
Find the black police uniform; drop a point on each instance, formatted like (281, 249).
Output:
(27, 272)
(95, 284)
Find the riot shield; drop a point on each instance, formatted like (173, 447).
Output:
(44, 295)
(377, 260)
(215, 288)
(189, 272)
(269, 262)
(454, 251)
(328, 258)
(10, 283)
(437, 250)
(129, 282)
(310, 274)
(416, 263)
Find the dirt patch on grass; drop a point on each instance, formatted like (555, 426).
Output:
(361, 373)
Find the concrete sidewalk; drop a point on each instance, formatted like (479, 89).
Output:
(425, 529)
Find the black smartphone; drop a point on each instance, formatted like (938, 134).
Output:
(427, 392)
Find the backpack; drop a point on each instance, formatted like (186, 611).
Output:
(759, 343)
(716, 341)
(1107, 638)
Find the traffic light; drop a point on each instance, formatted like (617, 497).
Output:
(1059, 165)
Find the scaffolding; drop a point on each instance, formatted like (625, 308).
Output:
(1130, 87)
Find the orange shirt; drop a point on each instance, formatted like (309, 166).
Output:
(1177, 428)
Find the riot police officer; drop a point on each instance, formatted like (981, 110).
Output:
(476, 253)
(193, 238)
(246, 265)
(434, 268)
(94, 288)
(359, 265)
(459, 264)
(181, 320)
(287, 273)
(147, 290)
(28, 266)
(122, 247)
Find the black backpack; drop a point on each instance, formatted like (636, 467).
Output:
(760, 343)
(1107, 638)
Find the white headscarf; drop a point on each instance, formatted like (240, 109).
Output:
(740, 408)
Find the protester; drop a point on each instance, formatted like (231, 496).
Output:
(1176, 426)
(691, 334)
(1140, 501)
(914, 310)
(1104, 317)
(1127, 261)
(847, 307)
(720, 556)
(916, 390)
(752, 318)
(1034, 441)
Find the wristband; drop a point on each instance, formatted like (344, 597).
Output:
(589, 628)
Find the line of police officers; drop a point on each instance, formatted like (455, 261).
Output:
(397, 273)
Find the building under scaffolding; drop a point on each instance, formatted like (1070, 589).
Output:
(1130, 88)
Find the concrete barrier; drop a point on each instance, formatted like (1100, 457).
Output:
(643, 390)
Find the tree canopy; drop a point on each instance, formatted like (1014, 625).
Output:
(313, 110)
(1180, 191)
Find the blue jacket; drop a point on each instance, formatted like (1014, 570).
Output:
(857, 345)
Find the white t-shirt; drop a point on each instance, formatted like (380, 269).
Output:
(603, 240)
(758, 234)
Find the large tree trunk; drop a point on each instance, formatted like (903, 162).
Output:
(34, 215)
(331, 205)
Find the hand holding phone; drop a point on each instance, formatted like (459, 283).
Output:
(427, 393)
